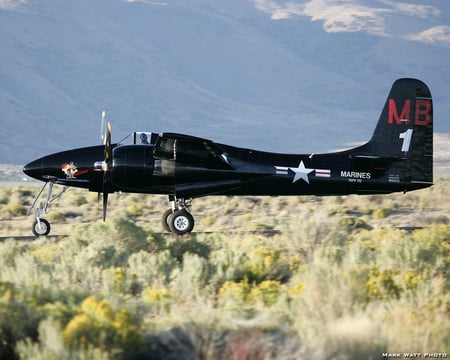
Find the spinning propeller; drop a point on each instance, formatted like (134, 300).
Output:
(106, 164)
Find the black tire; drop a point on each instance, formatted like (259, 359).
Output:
(181, 222)
(165, 220)
(41, 228)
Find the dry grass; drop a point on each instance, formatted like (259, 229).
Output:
(219, 214)
(338, 280)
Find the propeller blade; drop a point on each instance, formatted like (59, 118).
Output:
(108, 148)
(106, 167)
(105, 204)
(102, 128)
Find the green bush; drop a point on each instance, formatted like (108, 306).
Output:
(330, 283)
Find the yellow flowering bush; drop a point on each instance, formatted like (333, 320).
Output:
(98, 325)
(158, 298)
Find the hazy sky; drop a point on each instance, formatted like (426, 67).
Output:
(373, 17)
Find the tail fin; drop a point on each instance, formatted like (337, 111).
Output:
(403, 138)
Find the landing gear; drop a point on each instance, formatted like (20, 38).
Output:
(41, 227)
(181, 222)
(165, 219)
(178, 219)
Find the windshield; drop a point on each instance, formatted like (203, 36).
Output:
(140, 138)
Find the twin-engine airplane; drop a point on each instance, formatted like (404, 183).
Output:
(399, 157)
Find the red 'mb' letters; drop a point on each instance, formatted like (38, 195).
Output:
(422, 115)
(393, 113)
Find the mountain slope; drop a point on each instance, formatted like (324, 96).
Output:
(224, 70)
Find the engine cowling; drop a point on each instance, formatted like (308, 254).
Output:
(132, 167)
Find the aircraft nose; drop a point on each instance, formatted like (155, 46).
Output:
(34, 169)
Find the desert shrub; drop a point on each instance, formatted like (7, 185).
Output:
(238, 296)
(189, 341)
(441, 219)
(17, 321)
(326, 286)
(80, 269)
(233, 295)
(200, 341)
(114, 280)
(107, 244)
(353, 337)
(338, 210)
(229, 265)
(209, 220)
(14, 210)
(51, 346)
(432, 250)
(79, 200)
(380, 213)
(407, 325)
(135, 210)
(255, 226)
(191, 278)
(267, 292)
(23, 309)
(10, 250)
(381, 284)
(4, 195)
(98, 325)
(46, 253)
(159, 298)
(180, 246)
(307, 231)
(149, 269)
(350, 223)
(124, 235)
(22, 191)
(265, 263)
(57, 216)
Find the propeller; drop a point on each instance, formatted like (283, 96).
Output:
(106, 167)
(102, 128)
(106, 164)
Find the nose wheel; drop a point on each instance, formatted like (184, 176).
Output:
(178, 219)
(41, 227)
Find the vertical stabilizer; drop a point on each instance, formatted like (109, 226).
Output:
(404, 133)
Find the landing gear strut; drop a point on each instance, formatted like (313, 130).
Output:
(178, 218)
(41, 227)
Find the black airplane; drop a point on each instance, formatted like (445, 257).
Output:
(398, 158)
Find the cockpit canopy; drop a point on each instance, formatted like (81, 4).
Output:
(145, 138)
(140, 138)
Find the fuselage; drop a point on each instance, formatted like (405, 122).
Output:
(236, 171)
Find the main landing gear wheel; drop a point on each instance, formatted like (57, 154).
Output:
(178, 219)
(165, 219)
(41, 227)
(181, 222)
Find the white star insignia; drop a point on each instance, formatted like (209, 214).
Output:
(301, 172)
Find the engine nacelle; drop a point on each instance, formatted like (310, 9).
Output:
(132, 167)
